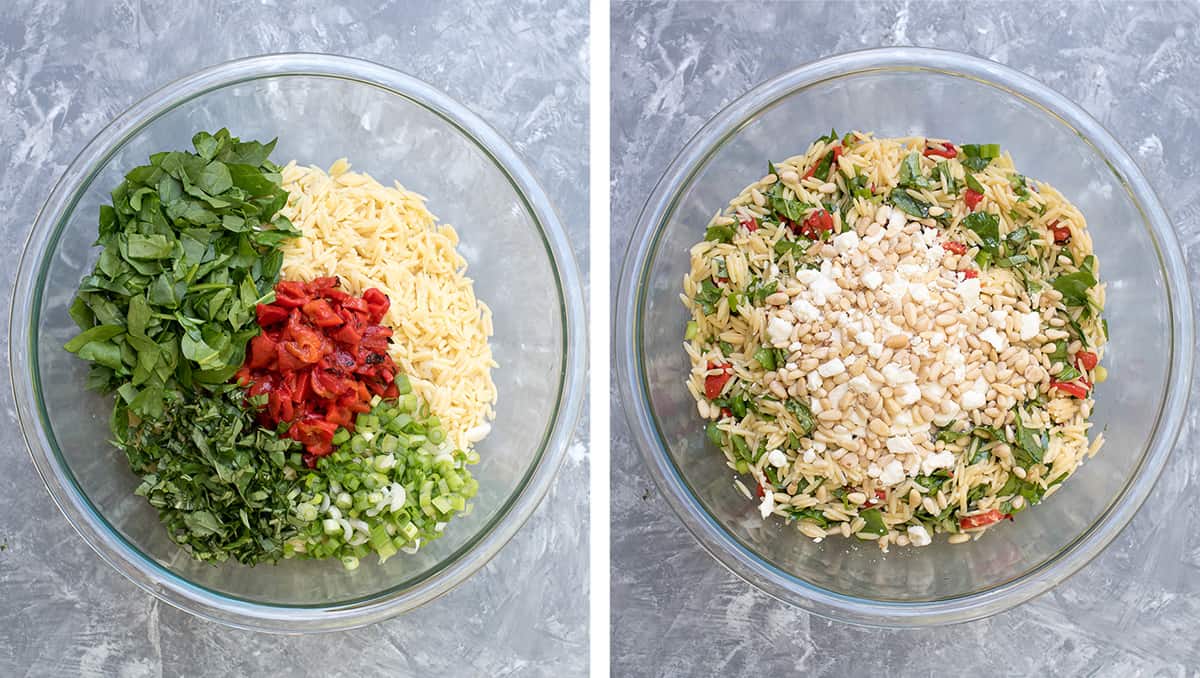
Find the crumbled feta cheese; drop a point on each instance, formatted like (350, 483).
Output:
(901, 445)
(860, 384)
(991, 336)
(779, 330)
(999, 318)
(846, 242)
(822, 288)
(968, 291)
(896, 220)
(767, 507)
(893, 473)
(896, 375)
(937, 460)
(918, 535)
(777, 458)
(832, 368)
(919, 292)
(872, 279)
(1030, 325)
(896, 288)
(908, 394)
(807, 275)
(875, 350)
(804, 310)
(973, 400)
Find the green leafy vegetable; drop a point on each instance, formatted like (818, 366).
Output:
(874, 523)
(977, 157)
(973, 183)
(1030, 444)
(1074, 286)
(910, 172)
(719, 234)
(180, 233)
(803, 414)
(785, 209)
(987, 227)
(765, 357)
(708, 296)
(900, 199)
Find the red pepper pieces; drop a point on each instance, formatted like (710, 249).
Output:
(715, 383)
(320, 359)
(1062, 234)
(814, 224)
(750, 223)
(955, 247)
(944, 149)
(982, 520)
(1070, 388)
(972, 198)
(969, 273)
(1087, 360)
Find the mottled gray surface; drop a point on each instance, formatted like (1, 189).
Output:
(1135, 610)
(67, 68)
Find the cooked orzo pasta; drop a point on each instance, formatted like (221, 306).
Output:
(896, 337)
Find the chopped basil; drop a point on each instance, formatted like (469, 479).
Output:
(860, 186)
(726, 348)
(987, 227)
(973, 183)
(978, 156)
(715, 434)
(824, 166)
(1030, 443)
(719, 234)
(742, 449)
(1074, 286)
(900, 199)
(874, 523)
(1068, 373)
(785, 247)
(708, 296)
(1019, 186)
(910, 172)
(809, 514)
(946, 178)
(759, 291)
(787, 209)
(828, 138)
(765, 356)
(803, 416)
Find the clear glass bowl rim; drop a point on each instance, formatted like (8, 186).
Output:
(160, 581)
(707, 530)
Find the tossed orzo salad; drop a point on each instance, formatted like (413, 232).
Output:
(893, 338)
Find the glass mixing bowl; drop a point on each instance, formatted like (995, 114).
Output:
(897, 92)
(394, 127)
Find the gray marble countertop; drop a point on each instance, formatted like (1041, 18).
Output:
(66, 69)
(1135, 609)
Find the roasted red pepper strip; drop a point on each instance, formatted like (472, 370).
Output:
(750, 224)
(836, 153)
(1070, 388)
(982, 519)
(1087, 360)
(715, 383)
(972, 199)
(1062, 234)
(955, 247)
(946, 150)
(969, 273)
